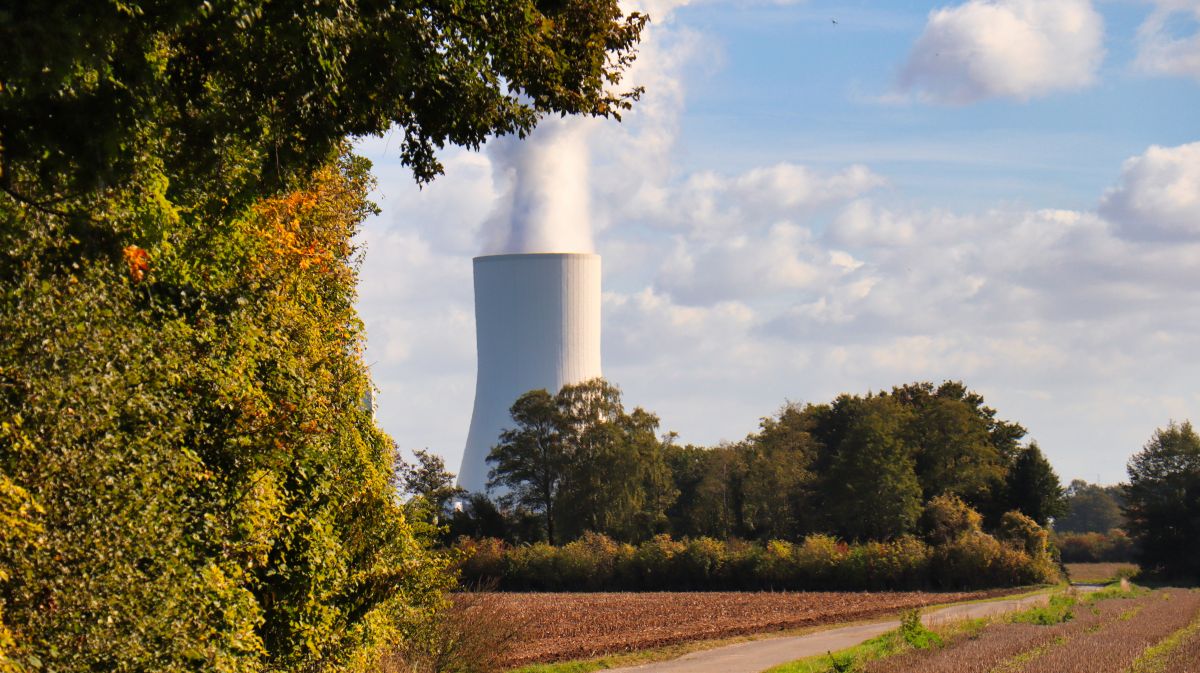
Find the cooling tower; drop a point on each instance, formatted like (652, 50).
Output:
(537, 325)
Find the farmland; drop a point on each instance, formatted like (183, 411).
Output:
(1099, 572)
(561, 626)
(1134, 632)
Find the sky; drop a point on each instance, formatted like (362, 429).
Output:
(817, 197)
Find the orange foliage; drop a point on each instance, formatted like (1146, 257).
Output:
(138, 260)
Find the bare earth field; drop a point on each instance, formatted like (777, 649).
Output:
(1097, 572)
(560, 626)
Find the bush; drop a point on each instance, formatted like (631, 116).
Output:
(482, 562)
(652, 564)
(1024, 533)
(818, 558)
(948, 517)
(701, 563)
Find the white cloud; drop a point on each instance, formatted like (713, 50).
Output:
(1158, 195)
(1017, 49)
(1163, 53)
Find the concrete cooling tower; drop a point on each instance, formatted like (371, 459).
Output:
(537, 325)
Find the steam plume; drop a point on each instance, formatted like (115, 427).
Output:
(545, 203)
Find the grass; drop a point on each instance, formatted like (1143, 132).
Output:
(912, 635)
(1060, 609)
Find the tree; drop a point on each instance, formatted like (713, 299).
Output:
(1091, 508)
(1033, 486)
(777, 483)
(960, 446)
(531, 459)
(871, 491)
(1162, 501)
(429, 480)
(187, 418)
(236, 94)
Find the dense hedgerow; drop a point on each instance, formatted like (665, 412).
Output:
(596, 563)
(188, 478)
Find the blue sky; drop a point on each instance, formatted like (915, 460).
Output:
(1005, 192)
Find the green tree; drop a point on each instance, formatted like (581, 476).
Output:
(1162, 501)
(871, 491)
(429, 480)
(618, 481)
(777, 482)
(1091, 508)
(961, 447)
(227, 95)
(532, 459)
(1033, 486)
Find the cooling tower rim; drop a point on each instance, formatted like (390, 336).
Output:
(515, 255)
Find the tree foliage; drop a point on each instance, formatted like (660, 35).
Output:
(1091, 508)
(583, 463)
(1033, 486)
(860, 467)
(227, 94)
(186, 413)
(1162, 501)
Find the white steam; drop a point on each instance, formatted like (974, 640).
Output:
(544, 181)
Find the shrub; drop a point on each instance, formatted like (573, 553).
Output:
(482, 562)
(534, 567)
(652, 564)
(776, 566)
(700, 563)
(1023, 533)
(467, 635)
(588, 563)
(965, 562)
(915, 633)
(948, 517)
(818, 558)
(1112, 547)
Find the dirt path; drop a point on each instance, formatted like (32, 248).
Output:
(758, 655)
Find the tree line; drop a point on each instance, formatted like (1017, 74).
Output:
(861, 467)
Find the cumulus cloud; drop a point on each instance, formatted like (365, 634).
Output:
(1160, 50)
(1158, 196)
(1017, 49)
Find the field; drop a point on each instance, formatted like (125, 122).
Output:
(561, 626)
(1099, 572)
(1122, 632)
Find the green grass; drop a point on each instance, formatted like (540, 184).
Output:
(1060, 609)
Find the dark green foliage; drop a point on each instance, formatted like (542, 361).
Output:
(580, 447)
(1162, 502)
(226, 94)
(1091, 508)
(1033, 487)
(871, 491)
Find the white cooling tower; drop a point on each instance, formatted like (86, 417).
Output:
(537, 325)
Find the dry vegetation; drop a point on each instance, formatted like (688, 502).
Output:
(1099, 572)
(559, 626)
(1154, 632)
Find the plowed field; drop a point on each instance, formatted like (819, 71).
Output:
(559, 626)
